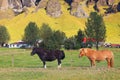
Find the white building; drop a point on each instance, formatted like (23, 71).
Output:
(19, 44)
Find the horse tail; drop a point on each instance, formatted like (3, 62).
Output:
(112, 61)
(63, 55)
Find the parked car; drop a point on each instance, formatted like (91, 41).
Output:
(107, 44)
(112, 45)
(115, 45)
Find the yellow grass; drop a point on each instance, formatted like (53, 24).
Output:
(113, 29)
(66, 23)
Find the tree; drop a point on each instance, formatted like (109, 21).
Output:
(75, 42)
(51, 39)
(79, 37)
(71, 43)
(31, 33)
(59, 37)
(95, 28)
(45, 32)
(4, 35)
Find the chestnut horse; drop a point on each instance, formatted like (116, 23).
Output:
(94, 55)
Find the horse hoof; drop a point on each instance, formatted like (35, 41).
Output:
(59, 66)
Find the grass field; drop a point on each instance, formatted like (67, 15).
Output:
(66, 23)
(17, 64)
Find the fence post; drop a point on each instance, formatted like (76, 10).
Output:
(12, 60)
(71, 60)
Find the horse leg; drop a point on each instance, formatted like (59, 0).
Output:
(93, 63)
(44, 64)
(111, 62)
(59, 63)
(108, 62)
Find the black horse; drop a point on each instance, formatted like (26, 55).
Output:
(49, 55)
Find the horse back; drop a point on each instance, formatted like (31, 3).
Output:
(100, 55)
(50, 56)
(106, 52)
(54, 54)
(59, 54)
(103, 54)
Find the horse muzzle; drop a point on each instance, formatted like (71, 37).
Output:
(31, 54)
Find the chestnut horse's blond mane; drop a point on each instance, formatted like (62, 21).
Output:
(86, 49)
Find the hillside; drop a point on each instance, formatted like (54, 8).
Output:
(66, 23)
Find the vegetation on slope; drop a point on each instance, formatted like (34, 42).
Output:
(66, 23)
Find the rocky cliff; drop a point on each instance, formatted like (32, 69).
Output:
(53, 7)
(16, 5)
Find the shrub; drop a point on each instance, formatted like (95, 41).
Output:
(31, 33)
(51, 39)
(4, 35)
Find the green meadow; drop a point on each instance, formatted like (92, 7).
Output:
(18, 64)
(66, 22)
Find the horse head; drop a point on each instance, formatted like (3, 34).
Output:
(34, 50)
(83, 52)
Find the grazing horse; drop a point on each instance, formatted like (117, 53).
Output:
(94, 55)
(49, 55)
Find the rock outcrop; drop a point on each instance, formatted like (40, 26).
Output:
(42, 4)
(53, 8)
(101, 2)
(77, 10)
(4, 4)
(16, 5)
(113, 8)
(28, 3)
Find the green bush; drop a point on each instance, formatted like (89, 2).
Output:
(31, 33)
(51, 39)
(4, 35)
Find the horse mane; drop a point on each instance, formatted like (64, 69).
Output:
(87, 49)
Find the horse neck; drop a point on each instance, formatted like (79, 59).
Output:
(39, 51)
(89, 53)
